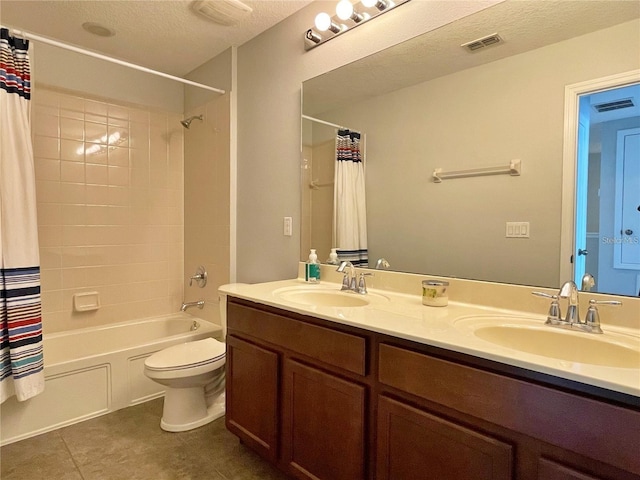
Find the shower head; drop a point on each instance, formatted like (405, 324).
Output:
(187, 122)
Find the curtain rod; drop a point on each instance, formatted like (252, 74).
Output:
(317, 120)
(65, 46)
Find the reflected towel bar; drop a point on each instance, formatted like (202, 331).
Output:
(512, 169)
(315, 185)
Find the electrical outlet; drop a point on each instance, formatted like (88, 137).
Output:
(288, 226)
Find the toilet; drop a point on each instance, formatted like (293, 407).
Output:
(193, 374)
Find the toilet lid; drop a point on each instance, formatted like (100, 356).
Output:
(187, 355)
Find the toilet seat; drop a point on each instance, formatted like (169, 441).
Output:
(208, 353)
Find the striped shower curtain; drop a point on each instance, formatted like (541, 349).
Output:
(349, 206)
(21, 358)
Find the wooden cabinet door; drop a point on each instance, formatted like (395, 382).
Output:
(252, 398)
(323, 435)
(550, 470)
(414, 445)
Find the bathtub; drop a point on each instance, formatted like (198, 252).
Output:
(93, 371)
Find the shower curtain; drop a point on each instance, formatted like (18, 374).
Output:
(349, 206)
(21, 357)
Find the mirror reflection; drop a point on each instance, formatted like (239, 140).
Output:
(430, 104)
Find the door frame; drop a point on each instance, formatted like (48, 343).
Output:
(572, 95)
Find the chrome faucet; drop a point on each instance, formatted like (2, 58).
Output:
(352, 281)
(349, 279)
(382, 263)
(569, 290)
(588, 282)
(185, 305)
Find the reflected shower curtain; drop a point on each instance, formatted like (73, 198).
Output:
(21, 358)
(349, 206)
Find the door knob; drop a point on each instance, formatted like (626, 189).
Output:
(628, 231)
(583, 251)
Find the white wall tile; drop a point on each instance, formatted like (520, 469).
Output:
(98, 226)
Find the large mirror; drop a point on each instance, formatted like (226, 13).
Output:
(429, 104)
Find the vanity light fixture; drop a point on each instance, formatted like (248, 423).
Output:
(379, 4)
(324, 22)
(347, 17)
(313, 36)
(345, 11)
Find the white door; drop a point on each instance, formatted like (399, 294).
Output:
(627, 206)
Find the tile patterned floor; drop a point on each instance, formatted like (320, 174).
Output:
(129, 445)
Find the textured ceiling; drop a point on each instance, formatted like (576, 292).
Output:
(164, 35)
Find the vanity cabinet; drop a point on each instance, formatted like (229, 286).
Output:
(297, 392)
(327, 401)
(497, 423)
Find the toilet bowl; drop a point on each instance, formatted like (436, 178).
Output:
(193, 374)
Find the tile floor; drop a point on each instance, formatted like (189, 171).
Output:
(129, 445)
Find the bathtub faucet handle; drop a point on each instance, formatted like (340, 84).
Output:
(200, 277)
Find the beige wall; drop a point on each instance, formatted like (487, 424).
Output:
(206, 203)
(317, 200)
(271, 68)
(53, 66)
(322, 199)
(111, 221)
(484, 116)
(306, 176)
(207, 192)
(214, 73)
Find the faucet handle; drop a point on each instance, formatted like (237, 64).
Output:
(200, 277)
(362, 284)
(346, 281)
(545, 295)
(553, 316)
(592, 320)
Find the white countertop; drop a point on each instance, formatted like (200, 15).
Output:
(403, 316)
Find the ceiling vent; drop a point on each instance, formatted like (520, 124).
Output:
(224, 12)
(483, 42)
(615, 105)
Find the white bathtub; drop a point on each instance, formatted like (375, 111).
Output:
(93, 371)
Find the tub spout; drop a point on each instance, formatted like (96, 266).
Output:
(185, 305)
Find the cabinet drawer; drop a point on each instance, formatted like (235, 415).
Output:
(342, 350)
(416, 445)
(588, 427)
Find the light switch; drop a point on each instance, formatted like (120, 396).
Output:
(517, 230)
(288, 226)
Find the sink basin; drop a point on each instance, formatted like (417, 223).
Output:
(326, 297)
(608, 350)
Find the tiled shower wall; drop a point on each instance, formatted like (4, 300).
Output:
(109, 187)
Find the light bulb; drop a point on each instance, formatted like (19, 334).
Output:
(323, 21)
(344, 9)
(379, 4)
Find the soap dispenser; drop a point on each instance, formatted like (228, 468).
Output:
(333, 257)
(312, 268)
